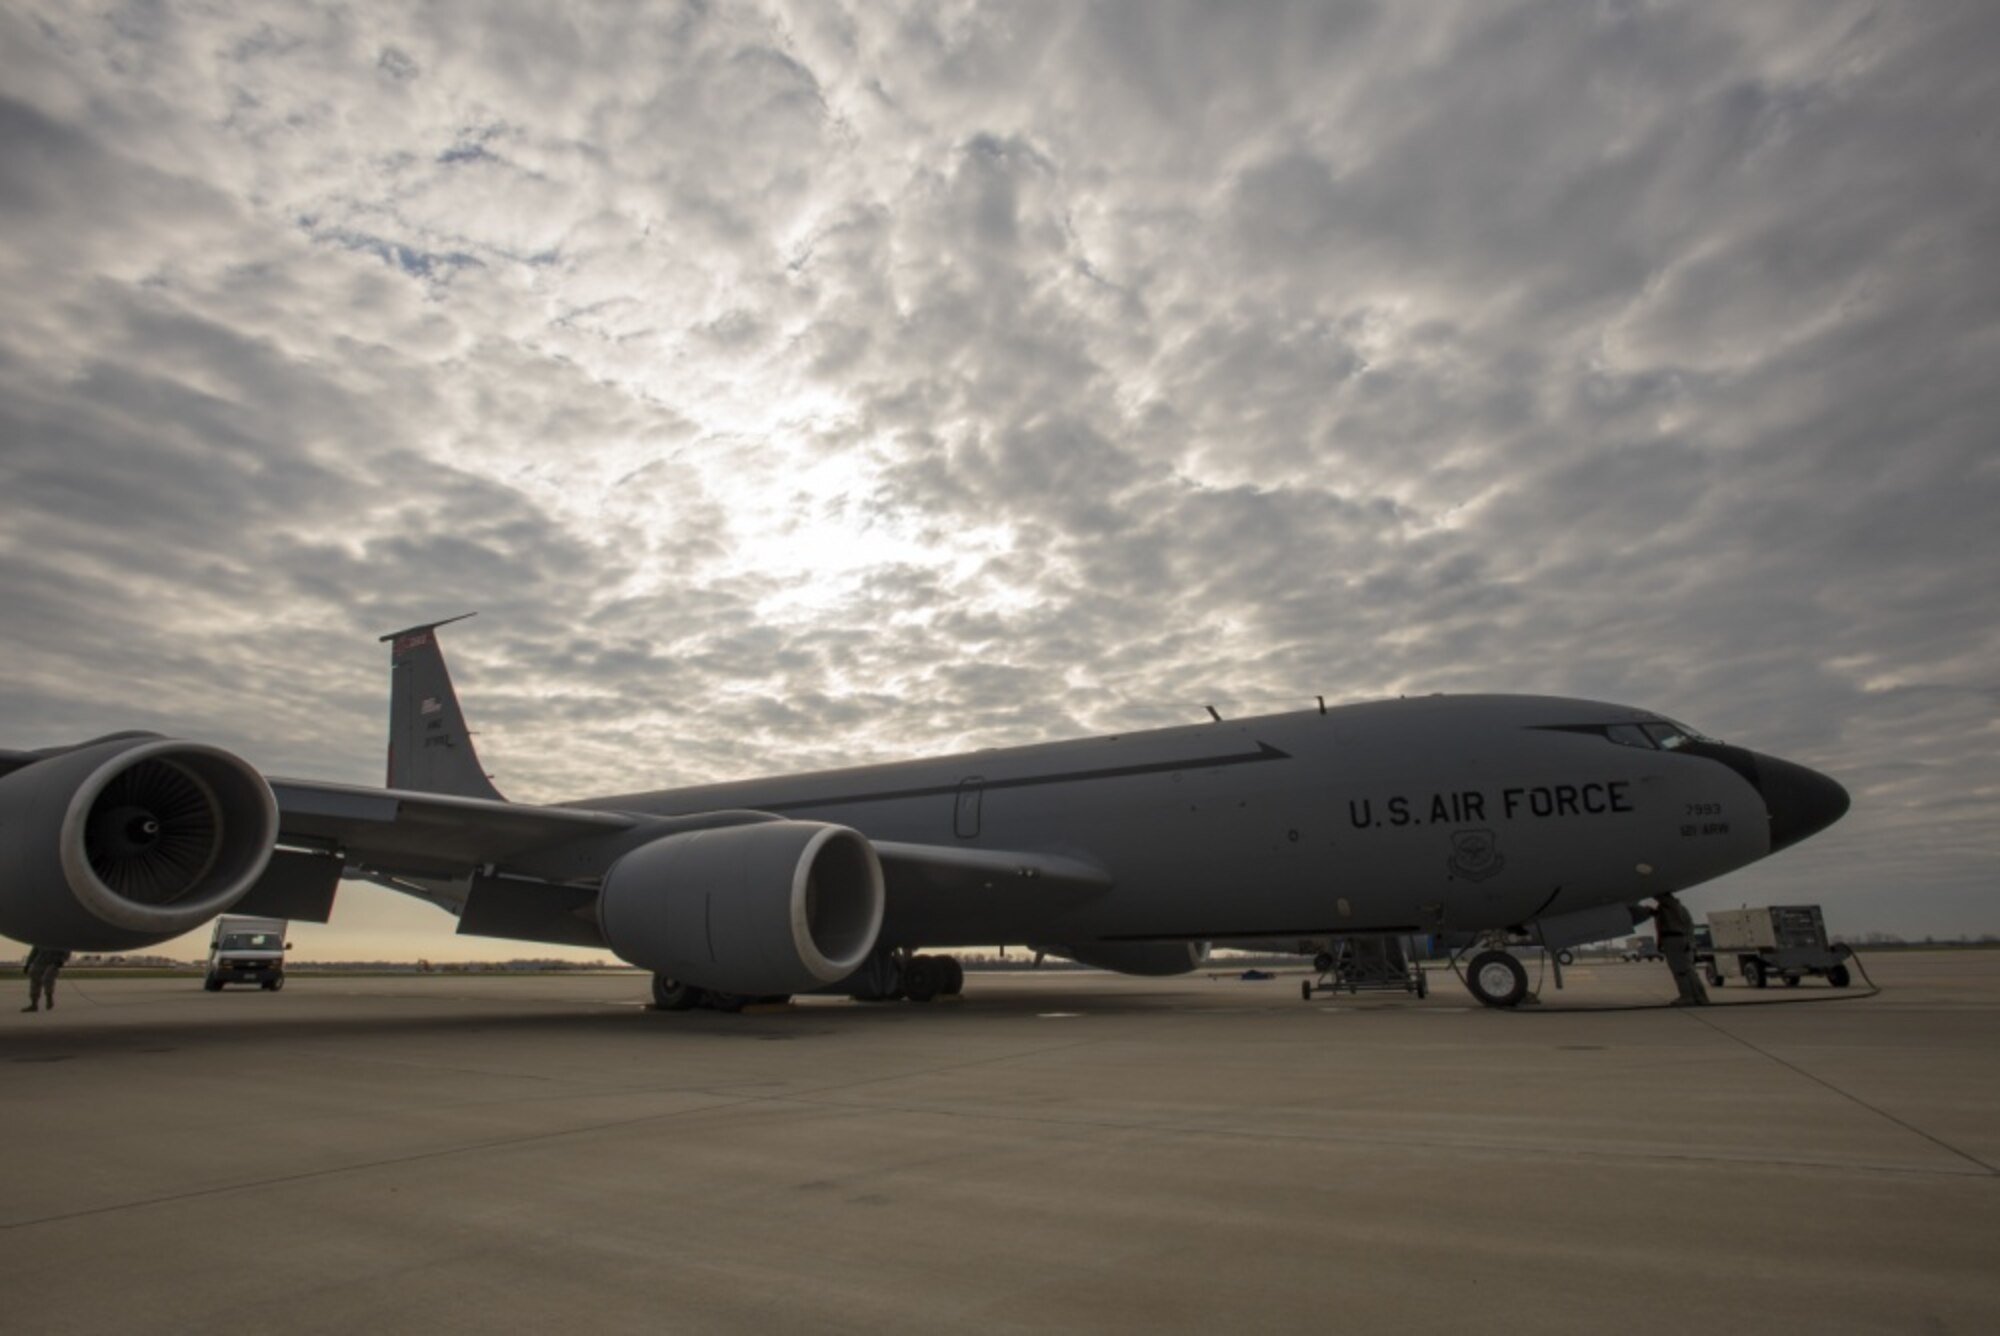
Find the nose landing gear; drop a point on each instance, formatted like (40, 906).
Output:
(1497, 979)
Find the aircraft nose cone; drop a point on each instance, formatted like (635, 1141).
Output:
(1802, 801)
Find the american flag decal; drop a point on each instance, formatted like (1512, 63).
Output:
(416, 641)
(431, 705)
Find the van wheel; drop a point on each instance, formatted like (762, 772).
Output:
(212, 984)
(273, 985)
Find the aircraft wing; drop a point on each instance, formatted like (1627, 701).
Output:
(428, 834)
(399, 835)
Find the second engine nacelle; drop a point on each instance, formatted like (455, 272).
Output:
(128, 841)
(775, 907)
(1149, 958)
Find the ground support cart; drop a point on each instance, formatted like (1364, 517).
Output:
(1370, 963)
(1785, 942)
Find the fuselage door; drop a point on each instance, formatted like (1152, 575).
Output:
(965, 816)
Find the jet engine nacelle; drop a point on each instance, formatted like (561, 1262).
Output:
(776, 907)
(1148, 958)
(127, 841)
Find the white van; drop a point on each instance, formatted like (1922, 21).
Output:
(247, 950)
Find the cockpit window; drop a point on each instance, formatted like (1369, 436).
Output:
(1664, 734)
(1671, 735)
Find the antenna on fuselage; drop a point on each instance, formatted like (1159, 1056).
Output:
(1212, 714)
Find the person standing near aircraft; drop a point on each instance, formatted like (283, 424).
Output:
(41, 967)
(1675, 927)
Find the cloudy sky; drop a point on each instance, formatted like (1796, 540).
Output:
(788, 386)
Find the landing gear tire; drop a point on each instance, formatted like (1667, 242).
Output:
(923, 978)
(954, 976)
(1497, 979)
(1754, 974)
(1838, 976)
(673, 995)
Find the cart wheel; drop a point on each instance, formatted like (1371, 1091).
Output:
(1305, 990)
(1838, 976)
(1715, 978)
(1791, 981)
(1753, 972)
(1565, 957)
(1423, 982)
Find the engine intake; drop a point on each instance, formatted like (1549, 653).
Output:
(769, 908)
(128, 841)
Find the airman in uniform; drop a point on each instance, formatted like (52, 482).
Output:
(43, 964)
(1675, 927)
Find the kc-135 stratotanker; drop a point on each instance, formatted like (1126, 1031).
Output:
(1449, 815)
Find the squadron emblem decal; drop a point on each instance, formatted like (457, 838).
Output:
(1475, 855)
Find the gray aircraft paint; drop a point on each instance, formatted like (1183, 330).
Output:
(1438, 813)
(1249, 828)
(1432, 814)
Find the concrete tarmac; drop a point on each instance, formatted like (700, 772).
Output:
(1054, 1151)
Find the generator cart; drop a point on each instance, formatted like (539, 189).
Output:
(1778, 941)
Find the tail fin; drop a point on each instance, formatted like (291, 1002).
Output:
(430, 748)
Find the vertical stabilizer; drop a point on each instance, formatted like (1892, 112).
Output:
(430, 748)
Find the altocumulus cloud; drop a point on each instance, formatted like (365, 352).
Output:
(790, 385)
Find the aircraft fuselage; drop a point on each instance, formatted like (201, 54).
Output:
(1447, 813)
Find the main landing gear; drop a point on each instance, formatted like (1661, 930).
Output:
(888, 976)
(891, 976)
(675, 995)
